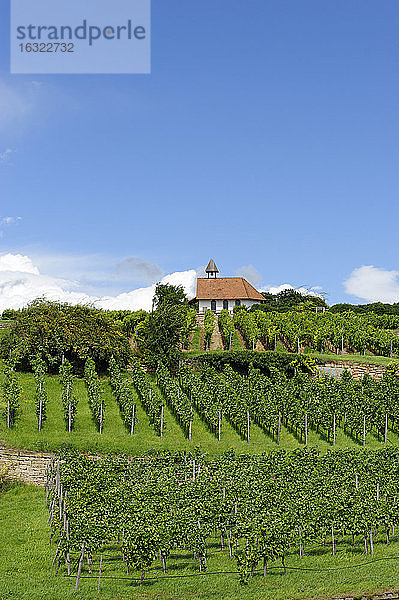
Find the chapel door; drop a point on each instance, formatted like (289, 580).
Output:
(213, 306)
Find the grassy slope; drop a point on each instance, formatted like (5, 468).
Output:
(115, 437)
(26, 572)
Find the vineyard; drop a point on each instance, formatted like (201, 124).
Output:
(215, 489)
(219, 409)
(322, 332)
(335, 333)
(115, 517)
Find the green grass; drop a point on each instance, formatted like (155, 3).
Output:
(26, 571)
(115, 437)
(368, 358)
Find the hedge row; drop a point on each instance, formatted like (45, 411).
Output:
(240, 360)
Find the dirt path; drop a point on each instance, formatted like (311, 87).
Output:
(216, 342)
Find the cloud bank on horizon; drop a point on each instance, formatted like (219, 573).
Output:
(21, 282)
(373, 284)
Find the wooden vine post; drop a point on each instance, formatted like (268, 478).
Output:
(69, 410)
(386, 429)
(133, 419)
(161, 425)
(334, 429)
(306, 429)
(279, 428)
(219, 424)
(80, 566)
(101, 418)
(364, 430)
(190, 426)
(99, 572)
(248, 425)
(40, 407)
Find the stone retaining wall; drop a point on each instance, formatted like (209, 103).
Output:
(25, 465)
(357, 369)
(385, 596)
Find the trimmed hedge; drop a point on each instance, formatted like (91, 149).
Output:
(240, 360)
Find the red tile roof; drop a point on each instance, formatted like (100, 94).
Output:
(226, 288)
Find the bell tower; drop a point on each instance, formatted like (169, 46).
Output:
(212, 269)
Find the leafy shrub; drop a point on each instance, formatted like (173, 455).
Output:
(209, 326)
(56, 331)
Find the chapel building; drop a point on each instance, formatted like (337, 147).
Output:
(216, 293)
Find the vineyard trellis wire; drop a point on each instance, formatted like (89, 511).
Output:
(261, 508)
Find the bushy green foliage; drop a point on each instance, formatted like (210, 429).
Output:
(159, 337)
(128, 320)
(188, 327)
(378, 308)
(39, 369)
(226, 327)
(69, 400)
(240, 360)
(150, 397)
(209, 326)
(11, 395)
(171, 294)
(123, 394)
(95, 394)
(55, 331)
(288, 300)
(176, 398)
(264, 507)
(246, 322)
(167, 328)
(327, 331)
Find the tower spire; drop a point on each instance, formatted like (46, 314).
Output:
(212, 269)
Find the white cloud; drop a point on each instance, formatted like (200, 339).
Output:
(287, 286)
(250, 273)
(373, 284)
(142, 297)
(21, 282)
(17, 263)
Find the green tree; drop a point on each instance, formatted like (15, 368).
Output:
(172, 294)
(159, 336)
(55, 331)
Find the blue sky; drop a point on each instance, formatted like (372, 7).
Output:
(266, 135)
